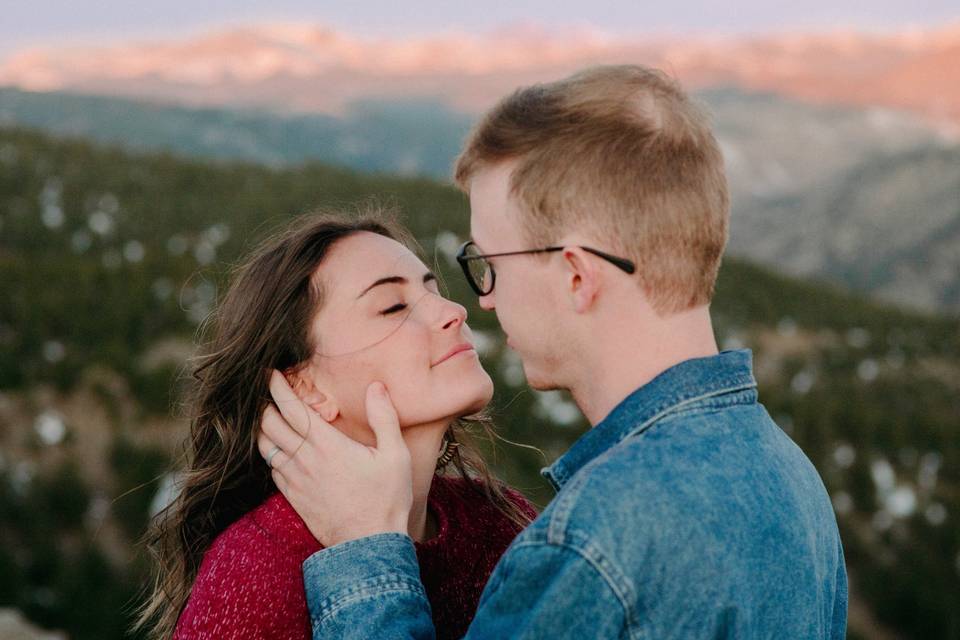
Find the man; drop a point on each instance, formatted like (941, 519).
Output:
(599, 214)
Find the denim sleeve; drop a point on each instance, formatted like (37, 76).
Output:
(367, 588)
(371, 588)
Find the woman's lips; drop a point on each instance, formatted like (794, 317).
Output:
(460, 348)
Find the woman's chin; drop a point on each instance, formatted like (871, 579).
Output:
(476, 407)
(484, 394)
(467, 405)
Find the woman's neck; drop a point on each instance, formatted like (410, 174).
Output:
(423, 441)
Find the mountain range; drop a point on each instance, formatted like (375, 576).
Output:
(304, 67)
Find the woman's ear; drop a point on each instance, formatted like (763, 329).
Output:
(306, 389)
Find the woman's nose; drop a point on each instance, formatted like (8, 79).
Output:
(453, 314)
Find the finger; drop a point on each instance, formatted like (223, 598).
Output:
(280, 481)
(264, 444)
(299, 418)
(278, 431)
(295, 412)
(382, 417)
(271, 453)
(279, 459)
(292, 415)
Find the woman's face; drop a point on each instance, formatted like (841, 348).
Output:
(383, 319)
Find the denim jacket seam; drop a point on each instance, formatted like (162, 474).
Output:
(390, 584)
(328, 553)
(701, 408)
(615, 580)
(565, 501)
(681, 406)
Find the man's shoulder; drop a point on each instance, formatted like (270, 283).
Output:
(621, 488)
(645, 465)
(729, 465)
(707, 506)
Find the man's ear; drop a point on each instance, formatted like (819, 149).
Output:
(307, 390)
(583, 278)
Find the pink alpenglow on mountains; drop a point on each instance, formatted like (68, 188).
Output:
(314, 68)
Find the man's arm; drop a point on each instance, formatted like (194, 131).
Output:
(367, 588)
(370, 587)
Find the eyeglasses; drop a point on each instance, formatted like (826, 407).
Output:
(481, 276)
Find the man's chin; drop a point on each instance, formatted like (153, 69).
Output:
(536, 377)
(539, 382)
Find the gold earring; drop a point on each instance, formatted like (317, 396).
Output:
(447, 450)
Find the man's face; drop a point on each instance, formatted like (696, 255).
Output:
(526, 296)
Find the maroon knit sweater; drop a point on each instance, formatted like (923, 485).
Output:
(250, 583)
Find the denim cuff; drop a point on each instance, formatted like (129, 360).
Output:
(359, 570)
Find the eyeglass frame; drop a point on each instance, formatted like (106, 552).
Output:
(463, 260)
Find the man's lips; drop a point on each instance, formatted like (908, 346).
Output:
(460, 348)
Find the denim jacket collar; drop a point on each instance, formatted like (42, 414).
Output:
(680, 385)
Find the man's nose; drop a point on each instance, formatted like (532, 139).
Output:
(486, 302)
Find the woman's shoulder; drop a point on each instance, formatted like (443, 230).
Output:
(250, 577)
(271, 532)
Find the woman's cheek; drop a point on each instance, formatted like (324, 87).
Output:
(349, 380)
(410, 399)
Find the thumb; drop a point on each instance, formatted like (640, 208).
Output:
(382, 417)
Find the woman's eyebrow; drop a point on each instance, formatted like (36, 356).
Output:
(427, 277)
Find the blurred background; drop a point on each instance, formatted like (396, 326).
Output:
(144, 147)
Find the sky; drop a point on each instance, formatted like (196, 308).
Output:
(93, 21)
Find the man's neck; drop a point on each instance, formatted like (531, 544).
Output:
(612, 369)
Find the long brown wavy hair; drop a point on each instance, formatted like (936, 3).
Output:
(262, 323)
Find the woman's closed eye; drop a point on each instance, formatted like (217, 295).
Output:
(400, 306)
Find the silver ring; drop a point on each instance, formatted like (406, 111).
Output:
(270, 454)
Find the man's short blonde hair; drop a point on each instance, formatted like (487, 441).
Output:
(620, 154)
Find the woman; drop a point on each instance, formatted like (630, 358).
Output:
(334, 304)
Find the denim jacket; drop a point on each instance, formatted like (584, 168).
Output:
(685, 513)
